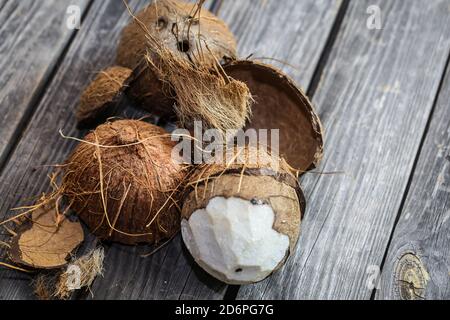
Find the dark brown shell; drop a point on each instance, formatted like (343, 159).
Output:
(150, 93)
(103, 92)
(173, 24)
(280, 104)
(139, 182)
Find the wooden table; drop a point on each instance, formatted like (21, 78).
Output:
(383, 95)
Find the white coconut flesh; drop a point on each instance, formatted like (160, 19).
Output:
(233, 239)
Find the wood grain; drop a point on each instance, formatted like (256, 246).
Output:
(421, 242)
(25, 175)
(171, 273)
(374, 98)
(33, 35)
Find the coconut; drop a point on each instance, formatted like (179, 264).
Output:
(46, 241)
(236, 232)
(280, 104)
(105, 91)
(122, 182)
(171, 34)
(191, 32)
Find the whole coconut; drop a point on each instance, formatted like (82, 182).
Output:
(122, 182)
(189, 32)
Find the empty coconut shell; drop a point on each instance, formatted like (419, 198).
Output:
(103, 92)
(280, 104)
(122, 182)
(45, 243)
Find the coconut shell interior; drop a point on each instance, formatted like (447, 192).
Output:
(45, 243)
(280, 104)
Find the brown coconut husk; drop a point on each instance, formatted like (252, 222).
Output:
(280, 104)
(123, 184)
(46, 241)
(202, 89)
(186, 29)
(276, 183)
(59, 286)
(105, 91)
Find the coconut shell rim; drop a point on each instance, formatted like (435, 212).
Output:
(300, 94)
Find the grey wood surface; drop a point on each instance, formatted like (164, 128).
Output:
(300, 32)
(375, 98)
(33, 35)
(421, 242)
(25, 175)
(2, 4)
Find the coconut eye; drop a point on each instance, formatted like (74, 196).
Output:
(184, 46)
(162, 23)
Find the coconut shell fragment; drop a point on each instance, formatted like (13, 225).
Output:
(106, 90)
(280, 104)
(122, 182)
(47, 241)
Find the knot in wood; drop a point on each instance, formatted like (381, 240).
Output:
(411, 278)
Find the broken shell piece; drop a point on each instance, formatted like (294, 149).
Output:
(238, 233)
(280, 104)
(103, 92)
(44, 242)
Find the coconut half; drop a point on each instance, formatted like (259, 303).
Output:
(238, 233)
(45, 242)
(280, 104)
(122, 182)
(104, 92)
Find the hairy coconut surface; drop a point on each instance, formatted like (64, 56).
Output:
(103, 92)
(183, 46)
(280, 104)
(58, 285)
(190, 32)
(46, 241)
(123, 183)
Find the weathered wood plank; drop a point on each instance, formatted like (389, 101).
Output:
(33, 35)
(171, 273)
(292, 32)
(2, 4)
(375, 98)
(421, 243)
(25, 175)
